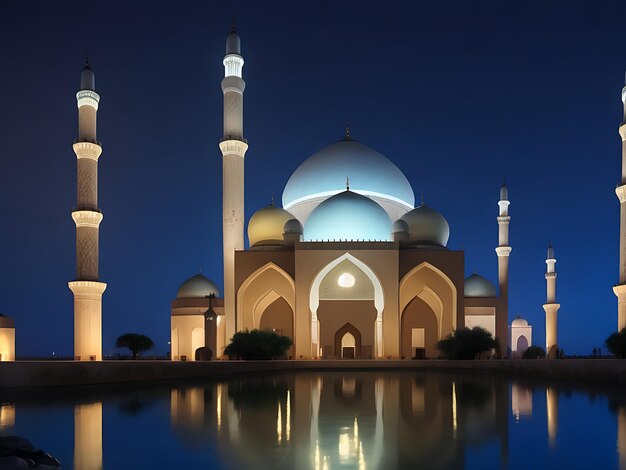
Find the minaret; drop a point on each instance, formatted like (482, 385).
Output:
(233, 147)
(86, 288)
(551, 307)
(503, 251)
(620, 289)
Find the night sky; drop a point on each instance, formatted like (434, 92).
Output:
(457, 94)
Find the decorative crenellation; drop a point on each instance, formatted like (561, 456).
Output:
(91, 290)
(233, 147)
(504, 219)
(551, 275)
(88, 98)
(87, 218)
(87, 150)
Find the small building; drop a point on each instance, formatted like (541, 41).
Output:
(520, 337)
(7, 338)
(197, 324)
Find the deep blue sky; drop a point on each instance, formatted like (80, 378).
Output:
(457, 94)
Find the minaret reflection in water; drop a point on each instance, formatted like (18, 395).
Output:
(336, 419)
(88, 436)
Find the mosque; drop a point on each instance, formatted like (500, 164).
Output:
(348, 267)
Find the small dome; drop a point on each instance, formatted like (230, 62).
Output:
(347, 216)
(519, 321)
(427, 226)
(478, 286)
(233, 44)
(266, 226)
(293, 226)
(197, 286)
(87, 79)
(400, 226)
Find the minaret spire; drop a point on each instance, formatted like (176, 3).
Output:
(551, 307)
(233, 147)
(620, 288)
(503, 250)
(87, 216)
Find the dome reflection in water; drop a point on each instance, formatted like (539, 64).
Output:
(327, 420)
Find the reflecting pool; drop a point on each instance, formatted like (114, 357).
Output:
(327, 420)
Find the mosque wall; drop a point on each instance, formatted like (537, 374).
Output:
(452, 263)
(247, 262)
(334, 314)
(381, 261)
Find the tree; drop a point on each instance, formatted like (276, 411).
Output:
(534, 352)
(616, 344)
(467, 344)
(135, 342)
(258, 345)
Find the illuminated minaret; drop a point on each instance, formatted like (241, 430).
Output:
(620, 289)
(551, 307)
(233, 147)
(503, 251)
(86, 288)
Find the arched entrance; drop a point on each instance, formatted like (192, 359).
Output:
(428, 299)
(266, 300)
(522, 345)
(419, 331)
(346, 291)
(348, 342)
(278, 317)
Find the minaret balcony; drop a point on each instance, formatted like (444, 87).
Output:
(85, 149)
(87, 218)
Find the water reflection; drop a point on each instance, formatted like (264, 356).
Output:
(552, 414)
(88, 436)
(328, 420)
(7, 417)
(359, 420)
(521, 401)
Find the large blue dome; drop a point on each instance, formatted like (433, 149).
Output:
(371, 174)
(348, 216)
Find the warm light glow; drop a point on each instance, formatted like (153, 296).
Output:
(288, 418)
(7, 416)
(346, 280)
(219, 407)
(279, 425)
(454, 408)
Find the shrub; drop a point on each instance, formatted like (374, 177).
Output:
(534, 352)
(467, 344)
(257, 345)
(616, 344)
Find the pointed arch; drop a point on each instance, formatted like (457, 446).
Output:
(261, 289)
(435, 288)
(379, 300)
(348, 329)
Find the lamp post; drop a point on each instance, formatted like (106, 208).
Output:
(210, 327)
